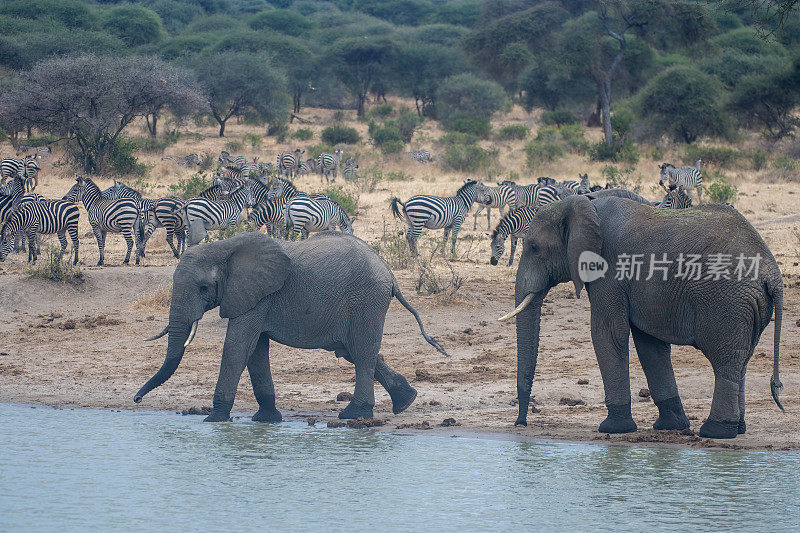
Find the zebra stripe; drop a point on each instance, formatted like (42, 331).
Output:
(687, 177)
(495, 197)
(27, 168)
(309, 166)
(269, 213)
(288, 162)
(350, 169)
(10, 197)
(513, 225)
(234, 161)
(676, 199)
(585, 186)
(421, 156)
(436, 212)
(305, 215)
(116, 216)
(208, 214)
(167, 213)
(328, 164)
(42, 217)
(534, 195)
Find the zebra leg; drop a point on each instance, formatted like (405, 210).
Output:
(261, 379)
(170, 234)
(445, 239)
(699, 194)
(127, 233)
(62, 238)
(73, 234)
(411, 236)
(475, 219)
(100, 235)
(456, 227)
(489, 217)
(31, 236)
(513, 249)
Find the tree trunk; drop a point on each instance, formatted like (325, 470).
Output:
(361, 98)
(222, 127)
(152, 124)
(605, 108)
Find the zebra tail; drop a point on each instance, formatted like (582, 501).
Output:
(399, 295)
(395, 209)
(775, 384)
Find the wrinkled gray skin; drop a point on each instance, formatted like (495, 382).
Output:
(331, 291)
(723, 319)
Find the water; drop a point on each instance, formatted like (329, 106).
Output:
(89, 469)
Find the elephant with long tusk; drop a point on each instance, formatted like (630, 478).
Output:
(721, 311)
(331, 291)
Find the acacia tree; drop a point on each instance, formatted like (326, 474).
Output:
(419, 69)
(88, 99)
(171, 89)
(240, 83)
(360, 63)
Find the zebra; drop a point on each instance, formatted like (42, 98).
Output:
(436, 212)
(309, 166)
(544, 180)
(513, 225)
(168, 213)
(40, 151)
(259, 190)
(328, 164)
(585, 186)
(676, 199)
(269, 213)
(120, 190)
(288, 162)
(305, 215)
(350, 169)
(10, 196)
(689, 177)
(421, 156)
(43, 217)
(206, 214)
(184, 161)
(498, 197)
(534, 195)
(27, 168)
(116, 216)
(572, 185)
(233, 161)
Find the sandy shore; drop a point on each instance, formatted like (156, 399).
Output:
(82, 347)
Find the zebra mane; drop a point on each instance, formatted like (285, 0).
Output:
(468, 183)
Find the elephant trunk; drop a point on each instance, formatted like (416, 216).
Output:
(175, 349)
(528, 321)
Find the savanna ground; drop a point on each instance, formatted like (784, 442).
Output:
(82, 345)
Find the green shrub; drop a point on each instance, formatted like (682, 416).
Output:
(721, 191)
(339, 116)
(619, 152)
(382, 134)
(303, 134)
(455, 137)
(122, 161)
(479, 126)
(393, 249)
(538, 152)
(468, 158)
(559, 117)
(619, 179)
(54, 267)
(340, 134)
(759, 159)
(314, 151)
(513, 131)
(192, 186)
(392, 147)
(348, 201)
(398, 175)
(622, 121)
(254, 139)
(41, 140)
(714, 155)
(381, 111)
(573, 135)
(228, 232)
(407, 124)
(234, 146)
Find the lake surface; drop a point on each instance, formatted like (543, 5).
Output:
(72, 470)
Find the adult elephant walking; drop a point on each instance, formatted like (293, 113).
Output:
(331, 291)
(721, 310)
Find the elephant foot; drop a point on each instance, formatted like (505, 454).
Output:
(356, 410)
(521, 421)
(619, 420)
(402, 398)
(671, 415)
(221, 411)
(267, 415)
(742, 427)
(719, 429)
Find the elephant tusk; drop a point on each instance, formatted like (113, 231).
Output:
(154, 337)
(191, 334)
(521, 307)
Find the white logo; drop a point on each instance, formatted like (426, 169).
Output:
(591, 266)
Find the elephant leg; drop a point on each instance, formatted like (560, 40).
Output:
(610, 338)
(724, 418)
(261, 378)
(365, 360)
(401, 393)
(654, 356)
(240, 342)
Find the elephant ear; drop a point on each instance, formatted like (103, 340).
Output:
(582, 234)
(257, 267)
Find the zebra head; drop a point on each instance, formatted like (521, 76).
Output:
(281, 188)
(676, 199)
(546, 181)
(223, 156)
(498, 244)
(74, 193)
(585, 186)
(469, 192)
(665, 173)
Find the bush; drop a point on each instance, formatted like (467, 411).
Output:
(340, 134)
(54, 267)
(512, 132)
(303, 134)
(715, 155)
(190, 187)
(234, 146)
(573, 136)
(722, 192)
(466, 103)
(382, 134)
(407, 124)
(759, 159)
(398, 175)
(455, 137)
(786, 167)
(559, 117)
(622, 120)
(348, 201)
(254, 139)
(381, 111)
(393, 249)
(314, 151)
(468, 158)
(122, 160)
(228, 232)
(619, 179)
(540, 152)
(619, 152)
(392, 147)
(478, 126)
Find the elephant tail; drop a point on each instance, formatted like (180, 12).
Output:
(775, 384)
(399, 295)
(396, 210)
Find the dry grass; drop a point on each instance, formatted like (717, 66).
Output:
(157, 301)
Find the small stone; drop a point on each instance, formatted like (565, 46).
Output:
(336, 423)
(644, 393)
(434, 403)
(535, 409)
(361, 423)
(311, 420)
(567, 400)
(449, 422)
(583, 382)
(344, 397)
(468, 331)
(68, 324)
(195, 410)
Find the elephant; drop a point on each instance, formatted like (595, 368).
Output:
(331, 291)
(572, 239)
